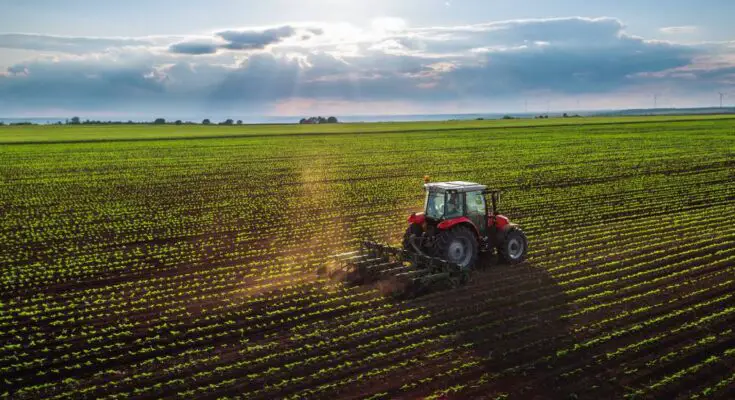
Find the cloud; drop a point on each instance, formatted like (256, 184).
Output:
(193, 48)
(249, 40)
(564, 32)
(67, 44)
(676, 30)
(389, 24)
(548, 66)
(257, 69)
(244, 39)
(15, 70)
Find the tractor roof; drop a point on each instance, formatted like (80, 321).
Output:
(459, 186)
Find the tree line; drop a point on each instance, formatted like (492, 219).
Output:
(163, 121)
(157, 121)
(319, 120)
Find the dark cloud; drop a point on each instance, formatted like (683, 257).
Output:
(247, 39)
(193, 48)
(17, 69)
(74, 81)
(250, 40)
(556, 68)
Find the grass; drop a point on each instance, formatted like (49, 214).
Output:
(85, 133)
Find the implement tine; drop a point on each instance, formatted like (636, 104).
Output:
(396, 270)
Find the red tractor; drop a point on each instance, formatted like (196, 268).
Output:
(442, 243)
(457, 224)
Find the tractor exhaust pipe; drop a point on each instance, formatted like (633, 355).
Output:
(494, 198)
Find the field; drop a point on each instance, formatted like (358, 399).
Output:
(179, 262)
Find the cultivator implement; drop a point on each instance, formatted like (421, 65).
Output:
(396, 272)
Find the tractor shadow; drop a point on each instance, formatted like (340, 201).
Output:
(508, 317)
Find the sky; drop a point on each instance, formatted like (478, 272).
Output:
(351, 57)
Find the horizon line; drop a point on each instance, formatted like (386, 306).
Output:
(531, 113)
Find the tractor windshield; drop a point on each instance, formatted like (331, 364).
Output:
(434, 205)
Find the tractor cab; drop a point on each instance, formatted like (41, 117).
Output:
(446, 201)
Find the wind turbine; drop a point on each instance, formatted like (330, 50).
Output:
(655, 100)
(721, 96)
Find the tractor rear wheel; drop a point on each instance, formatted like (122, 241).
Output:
(515, 247)
(458, 246)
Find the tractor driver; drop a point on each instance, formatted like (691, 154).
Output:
(453, 206)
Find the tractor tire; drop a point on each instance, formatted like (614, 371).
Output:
(458, 245)
(514, 248)
(413, 229)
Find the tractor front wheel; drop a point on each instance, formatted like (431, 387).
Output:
(515, 247)
(458, 246)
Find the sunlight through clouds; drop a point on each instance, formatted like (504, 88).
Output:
(495, 62)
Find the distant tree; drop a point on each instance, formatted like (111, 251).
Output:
(507, 117)
(206, 121)
(332, 120)
(227, 122)
(239, 122)
(75, 121)
(2, 123)
(565, 115)
(159, 121)
(302, 121)
(178, 122)
(321, 120)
